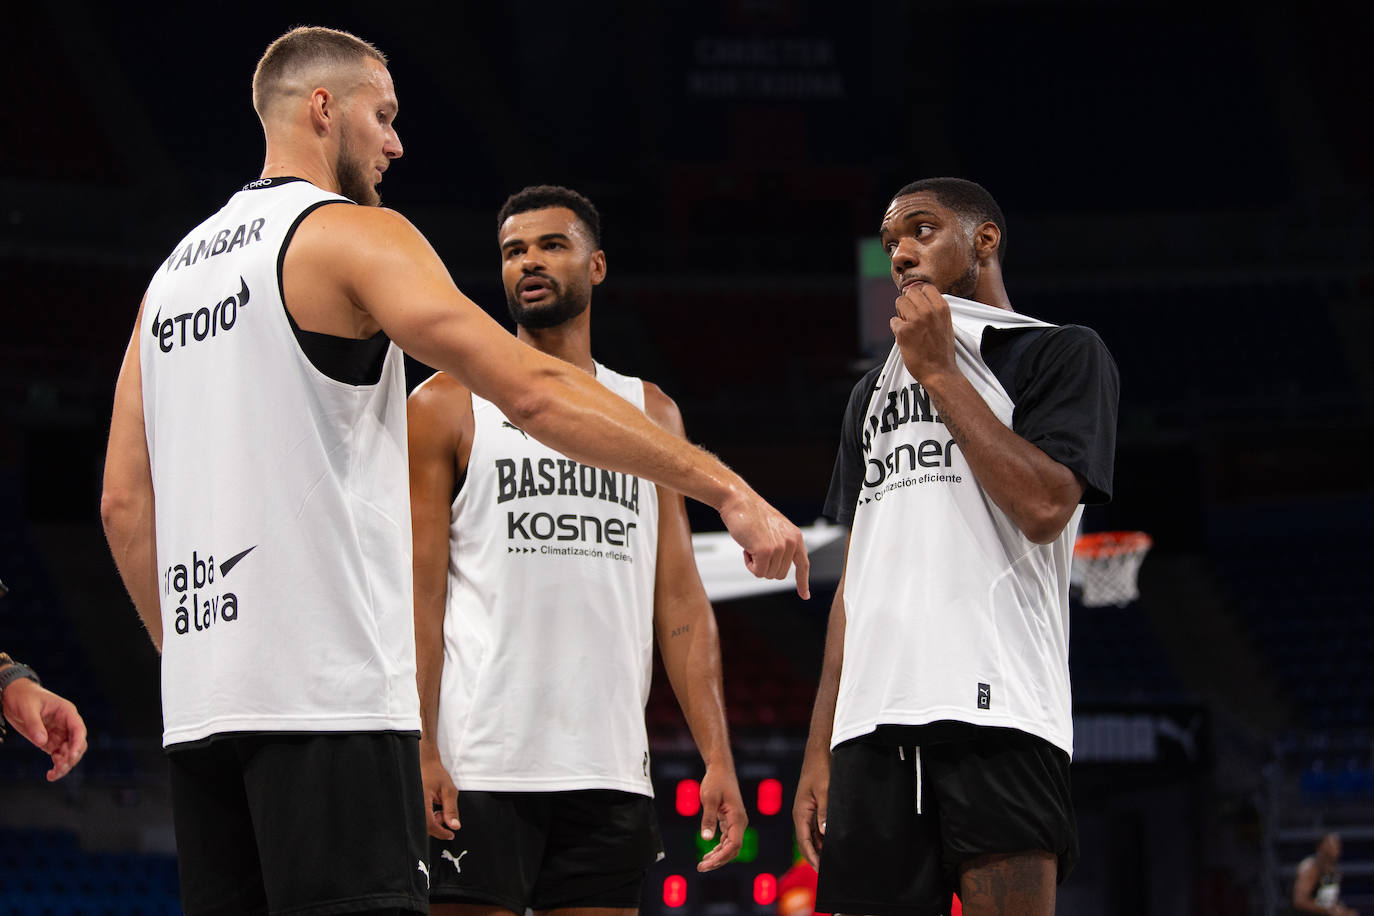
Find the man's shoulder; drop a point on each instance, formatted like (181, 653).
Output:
(341, 220)
(1003, 349)
(1074, 333)
(440, 388)
(661, 408)
(440, 404)
(1036, 336)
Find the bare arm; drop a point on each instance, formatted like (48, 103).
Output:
(49, 721)
(1303, 886)
(439, 419)
(1304, 890)
(126, 502)
(1037, 492)
(376, 260)
(685, 626)
(813, 786)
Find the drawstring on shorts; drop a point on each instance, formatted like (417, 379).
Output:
(916, 750)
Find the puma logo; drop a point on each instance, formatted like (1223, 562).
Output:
(507, 424)
(456, 866)
(424, 869)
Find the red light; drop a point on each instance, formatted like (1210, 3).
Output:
(688, 798)
(770, 796)
(674, 890)
(765, 889)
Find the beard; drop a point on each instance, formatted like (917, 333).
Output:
(966, 284)
(567, 304)
(354, 176)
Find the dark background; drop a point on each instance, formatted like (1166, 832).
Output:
(1192, 180)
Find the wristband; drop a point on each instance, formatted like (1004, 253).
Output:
(11, 671)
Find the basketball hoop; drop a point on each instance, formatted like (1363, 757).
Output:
(1105, 565)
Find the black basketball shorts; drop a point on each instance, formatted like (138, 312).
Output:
(580, 848)
(300, 823)
(902, 819)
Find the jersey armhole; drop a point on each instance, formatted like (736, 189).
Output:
(343, 359)
(460, 478)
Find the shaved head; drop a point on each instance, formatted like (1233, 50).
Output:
(308, 57)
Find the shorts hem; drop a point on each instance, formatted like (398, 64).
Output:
(356, 904)
(603, 900)
(455, 895)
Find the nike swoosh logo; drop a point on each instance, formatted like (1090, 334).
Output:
(234, 560)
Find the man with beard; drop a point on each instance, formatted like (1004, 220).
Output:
(257, 506)
(939, 749)
(540, 585)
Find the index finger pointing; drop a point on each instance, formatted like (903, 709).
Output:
(803, 573)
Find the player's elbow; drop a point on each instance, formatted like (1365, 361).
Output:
(537, 404)
(113, 508)
(529, 409)
(1043, 523)
(119, 507)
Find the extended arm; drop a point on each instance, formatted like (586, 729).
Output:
(813, 786)
(439, 419)
(378, 261)
(685, 626)
(126, 502)
(1037, 492)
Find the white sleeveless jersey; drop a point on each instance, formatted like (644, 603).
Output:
(548, 633)
(951, 612)
(282, 500)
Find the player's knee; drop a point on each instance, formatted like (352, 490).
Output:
(1020, 882)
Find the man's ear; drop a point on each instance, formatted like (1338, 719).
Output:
(986, 238)
(323, 110)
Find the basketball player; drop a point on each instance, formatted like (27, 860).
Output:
(1317, 887)
(257, 503)
(540, 584)
(939, 749)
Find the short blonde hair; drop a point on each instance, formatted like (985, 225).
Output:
(302, 50)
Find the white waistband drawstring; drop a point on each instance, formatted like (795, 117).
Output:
(918, 779)
(916, 750)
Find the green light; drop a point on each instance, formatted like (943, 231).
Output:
(704, 845)
(748, 850)
(873, 259)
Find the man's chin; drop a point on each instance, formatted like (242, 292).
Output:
(542, 317)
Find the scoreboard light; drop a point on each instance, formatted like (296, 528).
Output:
(687, 799)
(770, 796)
(674, 891)
(765, 889)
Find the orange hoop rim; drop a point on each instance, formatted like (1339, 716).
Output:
(1103, 544)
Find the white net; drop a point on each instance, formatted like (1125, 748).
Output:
(1105, 566)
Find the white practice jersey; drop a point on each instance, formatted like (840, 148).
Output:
(548, 634)
(282, 499)
(951, 612)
